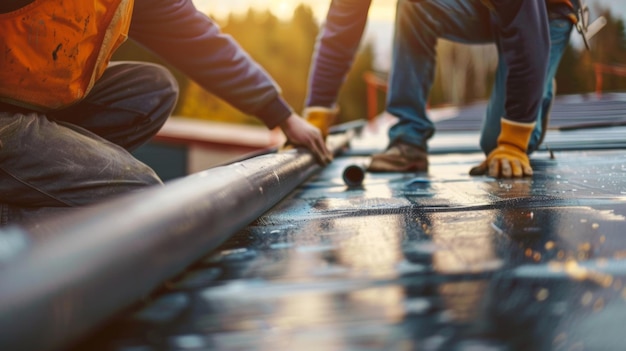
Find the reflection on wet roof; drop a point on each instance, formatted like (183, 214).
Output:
(437, 261)
(410, 261)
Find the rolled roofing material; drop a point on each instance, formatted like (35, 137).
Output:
(66, 275)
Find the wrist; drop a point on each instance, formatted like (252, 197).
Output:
(275, 112)
(515, 134)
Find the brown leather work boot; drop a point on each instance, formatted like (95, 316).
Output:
(400, 157)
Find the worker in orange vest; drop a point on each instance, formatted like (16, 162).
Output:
(69, 117)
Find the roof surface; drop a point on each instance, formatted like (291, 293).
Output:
(406, 261)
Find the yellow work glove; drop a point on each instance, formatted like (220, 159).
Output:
(321, 117)
(509, 158)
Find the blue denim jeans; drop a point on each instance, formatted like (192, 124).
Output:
(52, 162)
(418, 26)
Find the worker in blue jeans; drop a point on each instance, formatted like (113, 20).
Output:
(531, 35)
(69, 118)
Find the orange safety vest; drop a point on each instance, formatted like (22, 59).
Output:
(53, 51)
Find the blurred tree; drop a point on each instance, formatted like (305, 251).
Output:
(576, 72)
(609, 47)
(283, 48)
(464, 72)
(569, 77)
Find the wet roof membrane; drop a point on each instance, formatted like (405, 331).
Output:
(417, 261)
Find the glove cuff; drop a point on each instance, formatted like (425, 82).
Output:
(321, 117)
(320, 109)
(515, 134)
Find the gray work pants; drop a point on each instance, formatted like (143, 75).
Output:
(53, 162)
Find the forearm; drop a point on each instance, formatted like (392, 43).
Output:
(335, 50)
(195, 45)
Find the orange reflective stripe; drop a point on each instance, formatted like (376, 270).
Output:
(53, 51)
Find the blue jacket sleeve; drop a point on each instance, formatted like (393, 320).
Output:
(335, 50)
(193, 43)
(524, 41)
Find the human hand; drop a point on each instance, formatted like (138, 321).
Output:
(505, 161)
(300, 132)
(509, 159)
